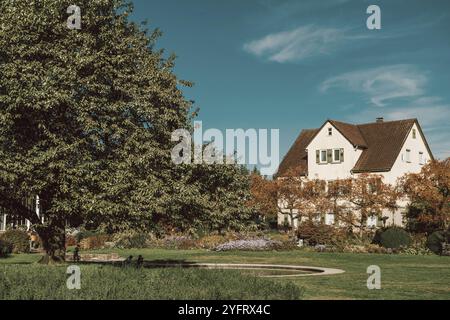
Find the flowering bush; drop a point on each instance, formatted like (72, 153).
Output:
(131, 239)
(254, 244)
(319, 233)
(94, 242)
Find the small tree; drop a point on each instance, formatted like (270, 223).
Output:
(393, 193)
(316, 198)
(429, 193)
(336, 193)
(292, 196)
(367, 197)
(263, 196)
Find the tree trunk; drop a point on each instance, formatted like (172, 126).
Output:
(53, 238)
(291, 214)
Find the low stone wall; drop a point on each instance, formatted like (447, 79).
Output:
(97, 257)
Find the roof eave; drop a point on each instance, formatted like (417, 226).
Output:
(371, 170)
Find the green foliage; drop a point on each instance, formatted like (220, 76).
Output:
(395, 238)
(19, 240)
(5, 248)
(435, 240)
(131, 239)
(377, 237)
(34, 282)
(85, 234)
(421, 218)
(94, 242)
(86, 121)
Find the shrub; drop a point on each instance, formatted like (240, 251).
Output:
(377, 237)
(70, 240)
(84, 234)
(210, 242)
(254, 244)
(319, 233)
(94, 242)
(435, 240)
(178, 242)
(19, 239)
(131, 239)
(395, 238)
(5, 248)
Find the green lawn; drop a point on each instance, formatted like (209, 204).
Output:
(402, 277)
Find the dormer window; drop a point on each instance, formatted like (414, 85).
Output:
(330, 131)
(413, 133)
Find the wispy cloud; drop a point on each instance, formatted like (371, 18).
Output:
(433, 117)
(398, 92)
(381, 84)
(297, 44)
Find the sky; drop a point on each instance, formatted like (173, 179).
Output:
(293, 64)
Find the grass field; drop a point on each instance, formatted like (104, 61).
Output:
(402, 277)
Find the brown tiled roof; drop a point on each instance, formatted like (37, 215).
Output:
(384, 140)
(297, 157)
(351, 132)
(381, 143)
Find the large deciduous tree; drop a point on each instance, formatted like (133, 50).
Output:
(86, 118)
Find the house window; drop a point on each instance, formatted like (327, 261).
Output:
(336, 155)
(329, 219)
(372, 221)
(323, 156)
(414, 133)
(408, 155)
(330, 131)
(421, 159)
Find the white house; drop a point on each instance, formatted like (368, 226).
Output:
(9, 221)
(339, 150)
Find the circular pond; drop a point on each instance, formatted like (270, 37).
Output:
(261, 270)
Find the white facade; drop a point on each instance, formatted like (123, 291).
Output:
(322, 142)
(418, 155)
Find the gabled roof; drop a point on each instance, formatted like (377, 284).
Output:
(385, 141)
(351, 132)
(297, 157)
(381, 143)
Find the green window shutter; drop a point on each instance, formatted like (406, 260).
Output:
(317, 156)
(329, 155)
(342, 155)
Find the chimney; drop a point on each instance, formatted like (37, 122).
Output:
(380, 119)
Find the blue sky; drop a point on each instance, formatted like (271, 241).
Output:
(290, 65)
